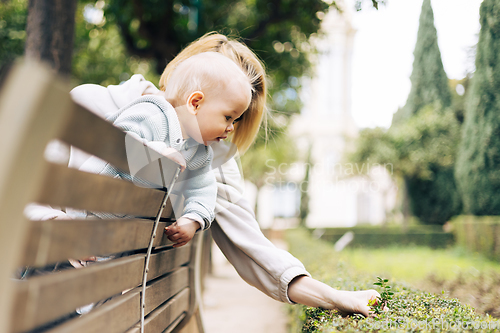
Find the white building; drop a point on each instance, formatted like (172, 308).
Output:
(338, 198)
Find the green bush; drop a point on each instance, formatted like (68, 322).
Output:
(479, 234)
(477, 172)
(374, 237)
(408, 310)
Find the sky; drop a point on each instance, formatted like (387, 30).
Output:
(383, 52)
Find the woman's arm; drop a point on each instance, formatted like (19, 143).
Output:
(273, 271)
(238, 235)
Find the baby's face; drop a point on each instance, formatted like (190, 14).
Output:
(220, 109)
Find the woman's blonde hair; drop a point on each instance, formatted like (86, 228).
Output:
(247, 128)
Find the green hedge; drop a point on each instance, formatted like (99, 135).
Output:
(479, 234)
(374, 237)
(410, 310)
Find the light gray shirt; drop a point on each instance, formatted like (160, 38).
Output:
(153, 119)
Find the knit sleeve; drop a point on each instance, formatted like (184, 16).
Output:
(145, 122)
(144, 119)
(200, 194)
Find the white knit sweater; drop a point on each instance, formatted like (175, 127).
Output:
(153, 119)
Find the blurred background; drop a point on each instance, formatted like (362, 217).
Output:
(383, 118)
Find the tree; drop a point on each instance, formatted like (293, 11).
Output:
(50, 31)
(12, 30)
(99, 54)
(274, 149)
(477, 170)
(433, 199)
(160, 29)
(421, 154)
(304, 190)
(429, 83)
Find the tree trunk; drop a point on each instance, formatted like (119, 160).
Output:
(304, 190)
(50, 30)
(406, 204)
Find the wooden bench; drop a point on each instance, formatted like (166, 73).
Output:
(35, 108)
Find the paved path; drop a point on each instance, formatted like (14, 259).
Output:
(232, 306)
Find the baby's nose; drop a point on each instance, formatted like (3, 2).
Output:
(230, 128)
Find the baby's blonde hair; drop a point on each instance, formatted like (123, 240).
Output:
(209, 72)
(248, 126)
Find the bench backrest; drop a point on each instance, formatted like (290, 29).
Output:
(35, 108)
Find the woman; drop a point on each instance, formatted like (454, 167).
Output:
(273, 271)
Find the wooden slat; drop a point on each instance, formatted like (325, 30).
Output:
(96, 136)
(45, 298)
(57, 240)
(164, 288)
(100, 138)
(174, 324)
(65, 187)
(166, 261)
(161, 318)
(122, 312)
(28, 121)
(115, 316)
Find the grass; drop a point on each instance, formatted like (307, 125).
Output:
(415, 264)
(470, 277)
(409, 309)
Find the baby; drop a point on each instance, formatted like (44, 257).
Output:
(206, 94)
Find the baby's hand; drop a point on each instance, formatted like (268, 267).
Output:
(182, 231)
(169, 152)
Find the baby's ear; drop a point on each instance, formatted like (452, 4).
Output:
(194, 102)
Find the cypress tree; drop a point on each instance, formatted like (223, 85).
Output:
(429, 83)
(478, 164)
(432, 200)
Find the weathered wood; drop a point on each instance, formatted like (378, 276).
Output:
(167, 260)
(67, 290)
(164, 288)
(67, 187)
(57, 240)
(28, 121)
(194, 284)
(175, 323)
(123, 312)
(122, 151)
(161, 318)
(45, 298)
(192, 325)
(106, 141)
(115, 316)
